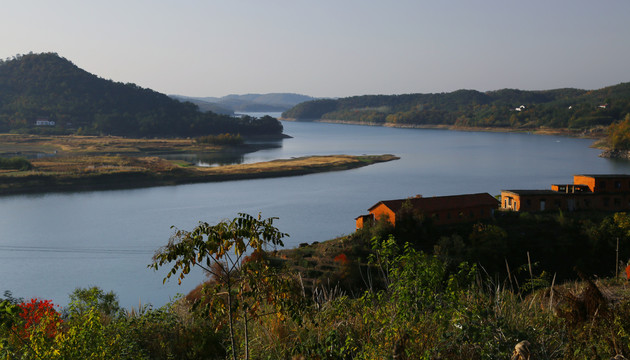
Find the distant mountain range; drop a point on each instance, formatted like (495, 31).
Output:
(46, 93)
(560, 108)
(275, 102)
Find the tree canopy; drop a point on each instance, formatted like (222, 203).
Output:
(619, 134)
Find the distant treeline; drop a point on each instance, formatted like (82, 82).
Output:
(561, 108)
(221, 139)
(67, 99)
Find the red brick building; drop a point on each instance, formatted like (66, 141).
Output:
(441, 209)
(588, 192)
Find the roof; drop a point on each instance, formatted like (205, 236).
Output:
(437, 203)
(574, 185)
(534, 192)
(604, 175)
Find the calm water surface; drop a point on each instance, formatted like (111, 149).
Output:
(50, 244)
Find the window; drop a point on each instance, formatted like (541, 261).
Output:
(617, 201)
(557, 203)
(602, 184)
(617, 184)
(606, 201)
(528, 202)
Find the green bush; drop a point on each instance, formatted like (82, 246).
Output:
(15, 163)
(222, 139)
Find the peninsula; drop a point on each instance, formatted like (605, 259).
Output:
(78, 163)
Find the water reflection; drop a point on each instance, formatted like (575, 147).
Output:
(207, 159)
(226, 157)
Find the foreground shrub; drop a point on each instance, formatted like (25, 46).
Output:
(426, 311)
(89, 330)
(172, 332)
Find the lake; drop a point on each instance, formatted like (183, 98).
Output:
(52, 243)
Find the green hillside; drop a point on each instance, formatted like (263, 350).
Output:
(49, 88)
(560, 108)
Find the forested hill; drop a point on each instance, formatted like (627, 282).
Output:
(47, 93)
(561, 108)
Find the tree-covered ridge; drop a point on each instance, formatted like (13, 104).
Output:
(559, 108)
(49, 87)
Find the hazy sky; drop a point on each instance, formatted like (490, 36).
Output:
(330, 48)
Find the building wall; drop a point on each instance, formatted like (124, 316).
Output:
(510, 201)
(539, 202)
(363, 220)
(382, 212)
(442, 217)
(612, 202)
(585, 180)
(454, 216)
(603, 184)
(570, 188)
(565, 202)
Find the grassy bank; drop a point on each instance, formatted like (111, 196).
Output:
(99, 172)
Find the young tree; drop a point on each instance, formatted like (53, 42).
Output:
(220, 249)
(619, 134)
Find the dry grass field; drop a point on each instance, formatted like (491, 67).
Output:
(74, 144)
(90, 163)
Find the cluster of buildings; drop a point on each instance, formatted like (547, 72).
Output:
(44, 122)
(587, 192)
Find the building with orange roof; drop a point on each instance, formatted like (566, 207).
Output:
(441, 209)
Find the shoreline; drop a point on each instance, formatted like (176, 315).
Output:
(615, 154)
(595, 133)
